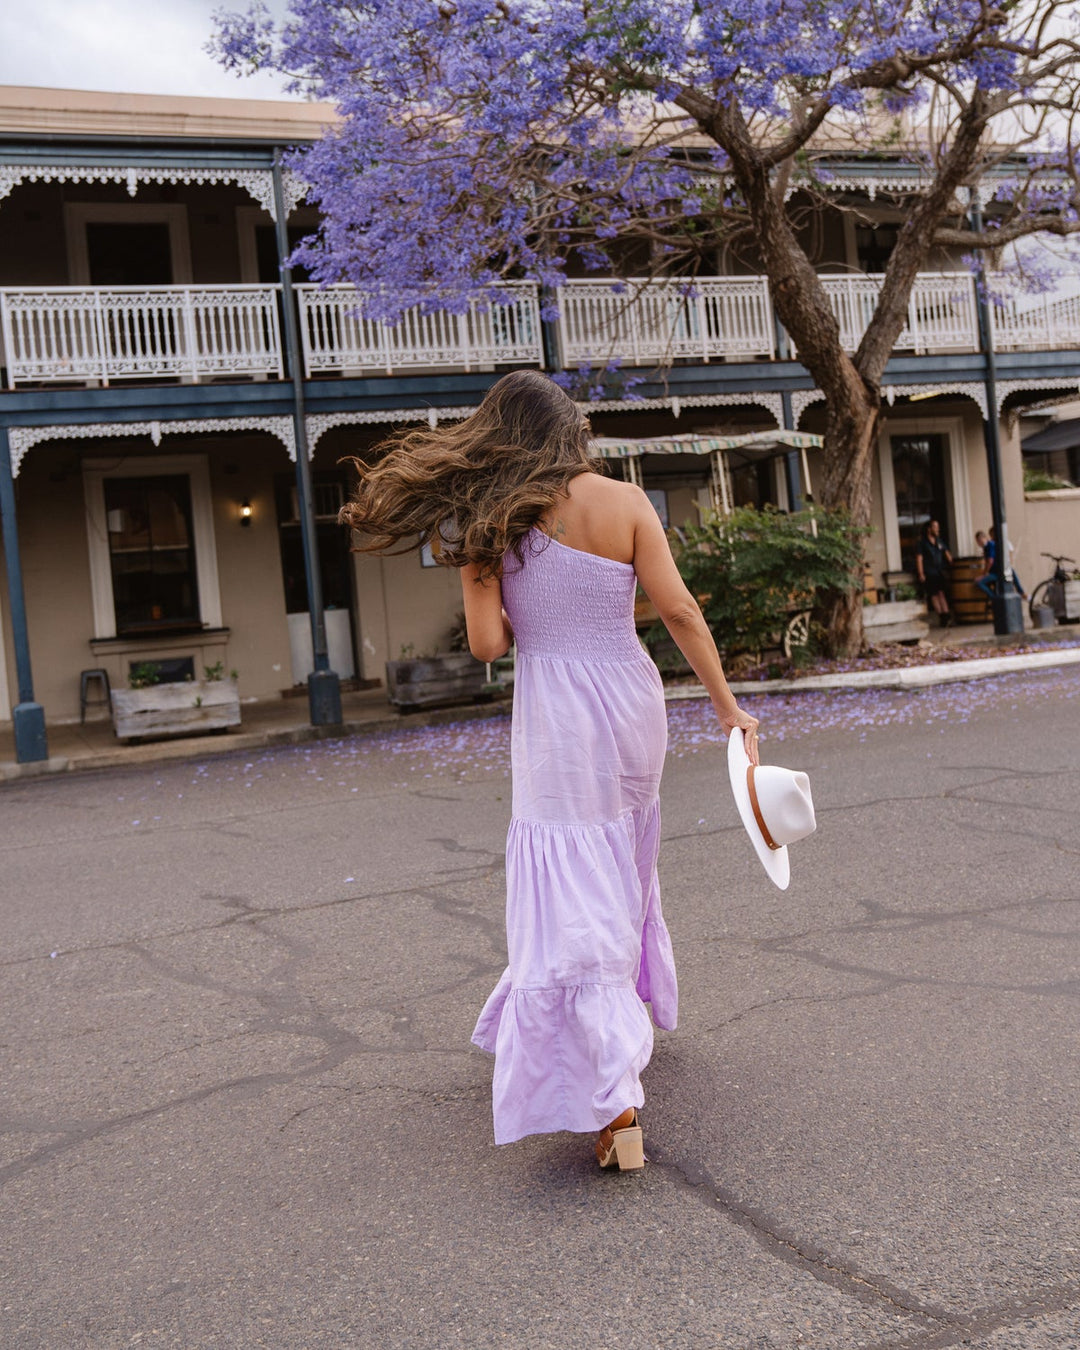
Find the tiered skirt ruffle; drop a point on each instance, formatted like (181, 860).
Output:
(588, 948)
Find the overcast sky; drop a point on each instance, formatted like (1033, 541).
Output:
(137, 46)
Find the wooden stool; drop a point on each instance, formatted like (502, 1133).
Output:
(85, 701)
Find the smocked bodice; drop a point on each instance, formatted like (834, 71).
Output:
(568, 604)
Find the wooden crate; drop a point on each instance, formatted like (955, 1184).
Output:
(182, 709)
(895, 621)
(422, 681)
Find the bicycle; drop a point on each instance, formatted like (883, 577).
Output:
(1059, 593)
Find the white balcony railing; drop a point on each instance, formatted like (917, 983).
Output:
(99, 333)
(941, 311)
(641, 320)
(81, 335)
(337, 338)
(1037, 322)
(731, 317)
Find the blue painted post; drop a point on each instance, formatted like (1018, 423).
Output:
(792, 463)
(1008, 608)
(28, 717)
(324, 684)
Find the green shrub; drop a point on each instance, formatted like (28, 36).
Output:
(144, 674)
(1038, 480)
(751, 569)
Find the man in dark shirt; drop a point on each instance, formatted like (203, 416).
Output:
(931, 560)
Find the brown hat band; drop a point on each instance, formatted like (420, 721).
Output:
(757, 810)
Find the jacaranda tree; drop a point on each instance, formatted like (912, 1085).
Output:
(485, 140)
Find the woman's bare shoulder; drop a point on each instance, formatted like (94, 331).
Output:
(595, 488)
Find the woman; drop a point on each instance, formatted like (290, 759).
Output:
(550, 554)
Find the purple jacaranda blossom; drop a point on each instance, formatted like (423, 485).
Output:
(483, 141)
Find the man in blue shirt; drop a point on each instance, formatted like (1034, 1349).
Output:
(986, 580)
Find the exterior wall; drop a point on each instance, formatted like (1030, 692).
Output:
(54, 544)
(249, 559)
(403, 605)
(1049, 522)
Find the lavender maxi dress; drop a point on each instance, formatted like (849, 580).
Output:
(587, 942)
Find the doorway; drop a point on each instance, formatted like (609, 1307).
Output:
(136, 244)
(335, 565)
(123, 253)
(918, 465)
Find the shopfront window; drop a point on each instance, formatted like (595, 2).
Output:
(152, 554)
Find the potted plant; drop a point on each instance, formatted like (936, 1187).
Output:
(152, 708)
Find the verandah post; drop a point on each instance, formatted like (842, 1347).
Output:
(28, 717)
(324, 685)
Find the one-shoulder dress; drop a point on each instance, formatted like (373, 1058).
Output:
(586, 938)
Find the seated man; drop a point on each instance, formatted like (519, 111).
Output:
(986, 580)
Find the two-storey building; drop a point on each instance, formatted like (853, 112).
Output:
(148, 413)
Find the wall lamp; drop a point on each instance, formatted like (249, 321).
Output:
(245, 513)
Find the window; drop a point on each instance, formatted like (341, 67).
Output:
(152, 554)
(258, 242)
(874, 245)
(752, 483)
(150, 535)
(659, 499)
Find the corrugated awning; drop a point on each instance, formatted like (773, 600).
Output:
(1059, 436)
(765, 442)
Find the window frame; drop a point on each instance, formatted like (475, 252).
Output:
(197, 471)
(77, 215)
(957, 487)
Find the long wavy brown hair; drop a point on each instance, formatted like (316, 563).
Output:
(476, 488)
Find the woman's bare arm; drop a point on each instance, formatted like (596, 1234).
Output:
(682, 617)
(490, 634)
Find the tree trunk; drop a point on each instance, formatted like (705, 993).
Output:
(852, 401)
(851, 433)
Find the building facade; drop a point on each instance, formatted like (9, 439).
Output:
(148, 407)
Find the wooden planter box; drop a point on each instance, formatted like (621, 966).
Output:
(418, 683)
(895, 621)
(183, 709)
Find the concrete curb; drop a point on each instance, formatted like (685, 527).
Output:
(156, 752)
(907, 677)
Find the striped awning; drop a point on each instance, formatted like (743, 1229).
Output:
(691, 444)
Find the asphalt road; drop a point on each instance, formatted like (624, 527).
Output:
(239, 1105)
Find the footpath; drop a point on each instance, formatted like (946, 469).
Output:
(966, 653)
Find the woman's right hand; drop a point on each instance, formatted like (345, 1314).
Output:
(749, 726)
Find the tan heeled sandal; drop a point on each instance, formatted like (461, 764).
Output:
(622, 1144)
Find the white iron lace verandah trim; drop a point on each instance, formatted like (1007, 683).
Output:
(23, 439)
(801, 399)
(258, 183)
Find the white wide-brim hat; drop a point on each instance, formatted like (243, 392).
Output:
(775, 806)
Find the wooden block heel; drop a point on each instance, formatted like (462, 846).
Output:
(623, 1147)
(629, 1149)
